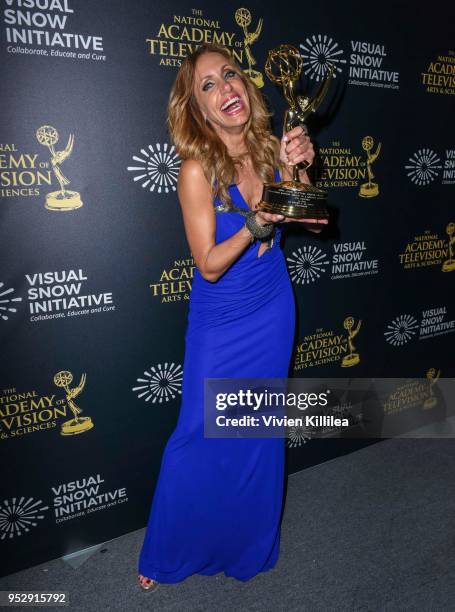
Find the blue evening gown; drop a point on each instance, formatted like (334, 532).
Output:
(217, 503)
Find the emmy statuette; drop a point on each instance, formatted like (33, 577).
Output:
(293, 198)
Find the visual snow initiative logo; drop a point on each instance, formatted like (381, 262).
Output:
(157, 168)
(18, 516)
(423, 167)
(161, 383)
(320, 51)
(6, 300)
(307, 264)
(401, 330)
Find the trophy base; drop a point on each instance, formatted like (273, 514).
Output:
(76, 426)
(69, 200)
(448, 266)
(295, 200)
(369, 190)
(429, 403)
(350, 360)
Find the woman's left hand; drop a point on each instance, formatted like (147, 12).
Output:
(296, 147)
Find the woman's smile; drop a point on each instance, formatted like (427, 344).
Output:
(233, 105)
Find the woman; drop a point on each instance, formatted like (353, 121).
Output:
(218, 501)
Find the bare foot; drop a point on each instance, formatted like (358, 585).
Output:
(147, 584)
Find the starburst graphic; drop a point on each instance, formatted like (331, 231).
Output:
(5, 300)
(158, 168)
(18, 516)
(162, 383)
(423, 167)
(401, 330)
(320, 51)
(307, 264)
(297, 436)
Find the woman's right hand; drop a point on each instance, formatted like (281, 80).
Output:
(312, 225)
(263, 218)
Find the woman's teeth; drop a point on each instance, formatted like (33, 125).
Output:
(231, 106)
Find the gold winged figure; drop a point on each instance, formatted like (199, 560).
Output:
(77, 424)
(64, 199)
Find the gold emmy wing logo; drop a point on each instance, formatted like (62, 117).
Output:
(78, 424)
(370, 189)
(243, 19)
(352, 358)
(449, 264)
(63, 199)
(432, 377)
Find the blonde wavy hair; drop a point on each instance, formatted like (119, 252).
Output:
(194, 138)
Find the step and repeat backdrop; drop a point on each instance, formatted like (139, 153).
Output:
(95, 270)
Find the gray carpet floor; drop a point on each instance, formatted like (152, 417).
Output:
(372, 530)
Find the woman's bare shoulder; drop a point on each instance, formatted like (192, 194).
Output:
(193, 186)
(192, 170)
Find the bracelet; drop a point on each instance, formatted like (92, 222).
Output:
(258, 231)
(251, 238)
